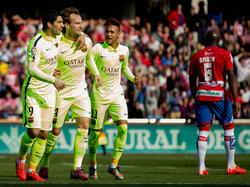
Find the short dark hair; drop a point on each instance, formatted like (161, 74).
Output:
(65, 13)
(49, 16)
(212, 38)
(112, 21)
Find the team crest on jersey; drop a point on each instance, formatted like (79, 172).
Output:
(31, 119)
(84, 48)
(56, 44)
(33, 51)
(121, 58)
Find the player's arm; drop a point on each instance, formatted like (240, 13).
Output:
(33, 70)
(128, 74)
(233, 84)
(192, 77)
(80, 42)
(90, 62)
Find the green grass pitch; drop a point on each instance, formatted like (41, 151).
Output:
(138, 170)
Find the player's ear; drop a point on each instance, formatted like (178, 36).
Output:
(50, 25)
(66, 25)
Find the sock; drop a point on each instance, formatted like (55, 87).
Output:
(50, 144)
(26, 143)
(202, 146)
(80, 146)
(119, 144)
(36, 153)
(229, 143)
(93, 145)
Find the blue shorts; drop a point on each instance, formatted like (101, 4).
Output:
(222, 110)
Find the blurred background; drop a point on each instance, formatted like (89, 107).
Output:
(161, 35)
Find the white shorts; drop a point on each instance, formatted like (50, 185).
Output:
(38, 110)
(117, 108)
(80, 107)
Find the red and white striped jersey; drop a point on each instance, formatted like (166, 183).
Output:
(210, 65)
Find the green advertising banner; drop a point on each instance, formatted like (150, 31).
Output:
(140, 139)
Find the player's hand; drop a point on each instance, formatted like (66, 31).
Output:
(137, 81)
(57, 73)
(59, 84)
(98, 80)
(80, 42)
(236, 107)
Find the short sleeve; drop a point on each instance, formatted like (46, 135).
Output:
(229, 61)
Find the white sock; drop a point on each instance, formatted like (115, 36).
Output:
(23, 161)
(201, 148)
(229, 143)
(30, 170)
(113, 165)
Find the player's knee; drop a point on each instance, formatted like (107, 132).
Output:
(95, 134)
(56, 131)
(122, 129)
(33, 132)
(43, 135)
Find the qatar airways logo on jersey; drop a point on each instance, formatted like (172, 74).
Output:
(112, 71)
(74, 63)
(52, 60)
(207, 59)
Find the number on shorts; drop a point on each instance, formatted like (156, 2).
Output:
(93, 114)
(56, 112)
(31, 110)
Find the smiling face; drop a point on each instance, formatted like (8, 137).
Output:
(112, 34)
(75, 25)
(57, 26)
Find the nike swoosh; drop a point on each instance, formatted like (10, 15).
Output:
(48, 49)
(64, 52)
(103, 56)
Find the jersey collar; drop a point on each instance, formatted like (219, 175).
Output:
(110, 48)
(48, 38)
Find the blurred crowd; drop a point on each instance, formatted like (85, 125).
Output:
(159, 54)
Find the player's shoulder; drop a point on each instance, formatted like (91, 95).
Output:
(123, 47)
(222, 52)
(98, 46)
(88, 41)
(36, 41)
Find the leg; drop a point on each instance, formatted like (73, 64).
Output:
(229, 143)
(81, 112)
(119, 144)
(81, 141)
(26, 143)
(98, 113)
(120, 141)
(32, 120)
(93, 145)
(202, 147)
(61, 110)
(119, 113)
(50, 145)
(38, 148)
(223, 111)
(203, 119)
